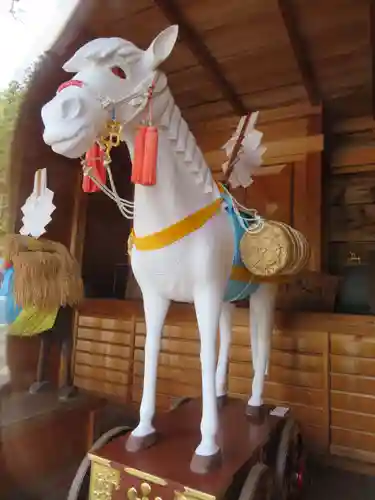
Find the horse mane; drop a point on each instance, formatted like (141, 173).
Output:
(184, 144)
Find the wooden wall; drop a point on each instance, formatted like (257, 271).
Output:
(321, 366)
(350, 203)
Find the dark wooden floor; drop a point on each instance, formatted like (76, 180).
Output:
(328, 483)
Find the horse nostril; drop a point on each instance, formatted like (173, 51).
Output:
(71, 108)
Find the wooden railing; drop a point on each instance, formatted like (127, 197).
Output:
(322, 366)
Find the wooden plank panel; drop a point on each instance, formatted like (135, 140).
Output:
(349, 156)
(353, 439)
(173, 331)
(210, 15)
(232, 38)
(108, 388)
(105, 323)
(101, 374)
(206, 111)
(339, 253)
(173, 346)
(280, 375)
(350, 420)
(352, 402)
(173, 360)
(352, 345)
(355, 455)
(308, 415)
(352, 189)
(183, 375)
(281, 393)
(104, 349)
(304, 342)
(163, 401)
(288, 360)
(267, 98)
(352, 223)
(307, 202)
(352, 365)
(112, 337)
(352, 383)
(271, 195)
(211, 138)
(102, 361)
(171, 388)
(305, 415)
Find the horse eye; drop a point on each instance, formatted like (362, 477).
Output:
(116, 70)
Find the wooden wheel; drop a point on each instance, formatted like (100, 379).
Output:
(289, 462)
(179, 402)
(79, 489)
(258, 484)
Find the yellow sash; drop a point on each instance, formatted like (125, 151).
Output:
(176, 231)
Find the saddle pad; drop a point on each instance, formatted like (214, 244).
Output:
(239, 286)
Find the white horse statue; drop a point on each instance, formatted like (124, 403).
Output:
(185, 246)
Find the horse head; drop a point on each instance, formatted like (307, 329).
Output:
(111, 75)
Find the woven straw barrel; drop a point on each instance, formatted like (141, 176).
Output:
(275, 249)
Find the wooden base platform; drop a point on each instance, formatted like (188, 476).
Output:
(166, 465)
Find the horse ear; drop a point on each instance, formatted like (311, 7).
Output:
(162, 46)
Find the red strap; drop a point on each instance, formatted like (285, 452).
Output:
(70, 83)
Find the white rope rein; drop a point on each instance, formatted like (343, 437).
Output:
(253, 223)
(126, 207)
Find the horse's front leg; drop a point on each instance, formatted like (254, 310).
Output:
(262, 305)
(208, 303)
(156, 309)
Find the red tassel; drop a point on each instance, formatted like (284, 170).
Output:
(145, 156)
(95, 160)
(139, 152)
(150, 157)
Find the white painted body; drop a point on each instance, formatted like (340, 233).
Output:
(196, 268)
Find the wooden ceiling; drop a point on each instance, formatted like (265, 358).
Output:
(239, 55)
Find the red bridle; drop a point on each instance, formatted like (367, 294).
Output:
(70, 83)
(78, 83)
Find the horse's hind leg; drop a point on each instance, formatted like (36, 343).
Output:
(225, 327)
(262, 305)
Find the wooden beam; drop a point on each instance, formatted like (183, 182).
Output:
(372, 38)
(192, 39)
(300, 51)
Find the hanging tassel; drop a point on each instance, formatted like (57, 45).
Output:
(95, 160)
(139, 152)
(146, 150)
(150, 157)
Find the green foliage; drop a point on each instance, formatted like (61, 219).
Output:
(10, 101)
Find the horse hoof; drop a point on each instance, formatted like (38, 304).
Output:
(221, 401)
(204, 464)
(40, 387)
(256, 413)
(67, 393)
(138, 443)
